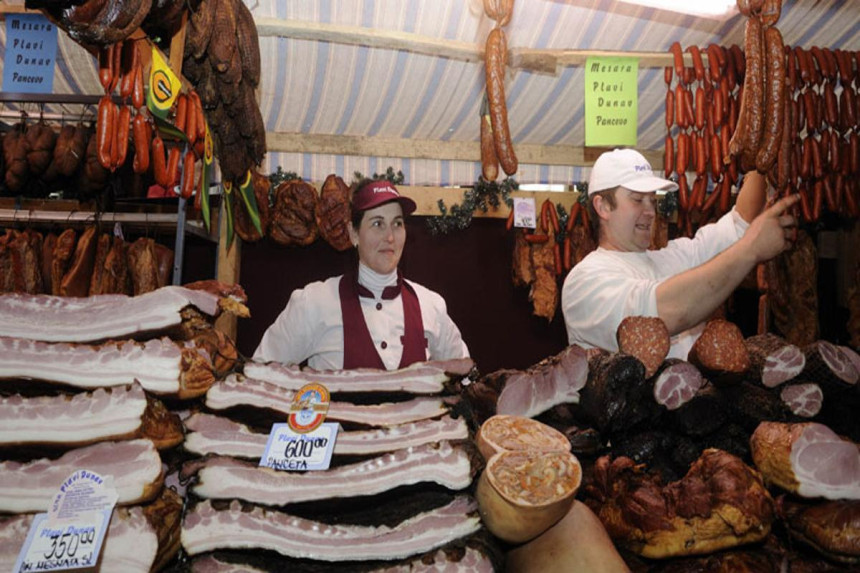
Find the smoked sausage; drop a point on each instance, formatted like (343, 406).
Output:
(494, 67)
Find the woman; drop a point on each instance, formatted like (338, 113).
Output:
(370, 317)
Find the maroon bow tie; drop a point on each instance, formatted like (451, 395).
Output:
(388, 293)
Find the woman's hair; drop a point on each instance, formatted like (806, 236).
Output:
(356, 215)
(608, 195)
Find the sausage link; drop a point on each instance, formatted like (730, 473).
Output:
(701, 154)
(201, 117)
(783, 158)
(754, 86)
(141, 144)
(835, 156)
(190, 121)
(831, 106)
(810, 111)
(854, 156)
(105, 71)
(725, 196)
(187, 187)
(802, 65)
(670, 108)
(716, 62)
(847, 108)
(770, 11)
(700, 107)
(682, 157)
(104, 131)
(688, 107)
(817, 164)
(494, 68)
(668, 155)
(850, 198)
(790, 68)
(805, 203)
(173, 157)
(806, 158)
(680, 114)
(667, 75)
(116, 66)
(489, 161)
(129, 64)
(122, 130)
(698, 65)
(843, 61)
(774, 101)
(716, 158)
(159, 163)
(137, 95)
(181, 112)
(817, 196)
(678, 60)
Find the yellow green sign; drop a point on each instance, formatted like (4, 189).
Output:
(164, 86)
(208, 158)
(611, 101)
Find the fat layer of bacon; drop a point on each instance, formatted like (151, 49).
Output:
(216, 435)
(100, 317)
(419, 378)
(75, 420)
(206, 529)
(226, 478)
(235, 391)
(161, 365)
(135, 466)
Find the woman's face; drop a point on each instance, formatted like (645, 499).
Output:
(380, 237)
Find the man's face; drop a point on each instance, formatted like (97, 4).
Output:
(627, 228)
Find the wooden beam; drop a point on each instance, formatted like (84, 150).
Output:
(229, 270)
(374, 38)
(542, 61)
(431, 149)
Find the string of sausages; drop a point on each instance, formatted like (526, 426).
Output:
(698, 129)
(120, 66)
(496, 145)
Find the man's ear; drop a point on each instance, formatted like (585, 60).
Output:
(601, 207)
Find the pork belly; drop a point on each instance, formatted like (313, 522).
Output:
(216, 435)
(206, 528)
(135, 466)
(161, 366)
(227, 478)
(236, 391)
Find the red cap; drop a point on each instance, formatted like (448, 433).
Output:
(376, 193)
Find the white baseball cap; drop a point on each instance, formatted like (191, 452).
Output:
(626, 168)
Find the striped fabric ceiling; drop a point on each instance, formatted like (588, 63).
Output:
(325, 88)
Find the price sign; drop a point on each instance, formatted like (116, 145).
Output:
(288, 450)
(51, 547)
(70, 535)
(524, 212)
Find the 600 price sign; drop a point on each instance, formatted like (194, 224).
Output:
(67, 546)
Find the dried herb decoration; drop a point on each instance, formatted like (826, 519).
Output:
(483, 195)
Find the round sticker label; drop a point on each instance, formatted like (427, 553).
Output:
(309, 408)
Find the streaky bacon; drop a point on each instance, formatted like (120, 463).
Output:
(207, 529)
(227, 478)
(160, 365)
(81, 419)
(211, 434)
(99, 317)
(135, 466)
(238, 391)
(418, 378)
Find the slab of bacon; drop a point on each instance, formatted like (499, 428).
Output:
(227, 478)
(135, 466)
(238, 391)
(101, 317)
(137, 540)
(419, 378)
(160, 365)
(113, 414)
(206, 529)
(210, 434)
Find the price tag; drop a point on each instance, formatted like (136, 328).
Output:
(52, 547)
(70, 535)
(289, 450)
(524, 212)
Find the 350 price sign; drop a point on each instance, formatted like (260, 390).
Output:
(52, 546)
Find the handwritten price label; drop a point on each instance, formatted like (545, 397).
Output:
(51, 546)
(288, 450)
(524, 212)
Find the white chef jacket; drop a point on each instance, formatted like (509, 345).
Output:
(607, 286)
(311, 326)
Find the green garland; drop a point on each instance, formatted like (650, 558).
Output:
(483, 195)
(389, 175)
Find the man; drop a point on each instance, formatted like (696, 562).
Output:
(682, 283)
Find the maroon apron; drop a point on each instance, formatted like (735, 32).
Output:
(358, 348)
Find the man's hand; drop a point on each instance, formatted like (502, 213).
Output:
(773, 231)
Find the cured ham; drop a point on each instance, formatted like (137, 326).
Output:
(677, 383)
(161, 366)
(773, 360)
(112, 414)
(234, 391)
(803, 399)
(226, 478)
(210, 434)
(808, 459)
(135, 466)
(831, 528)
(418, 378)
(207, 529)
(96, 318)
(555, 380)
(719, 503)
(826, 363)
